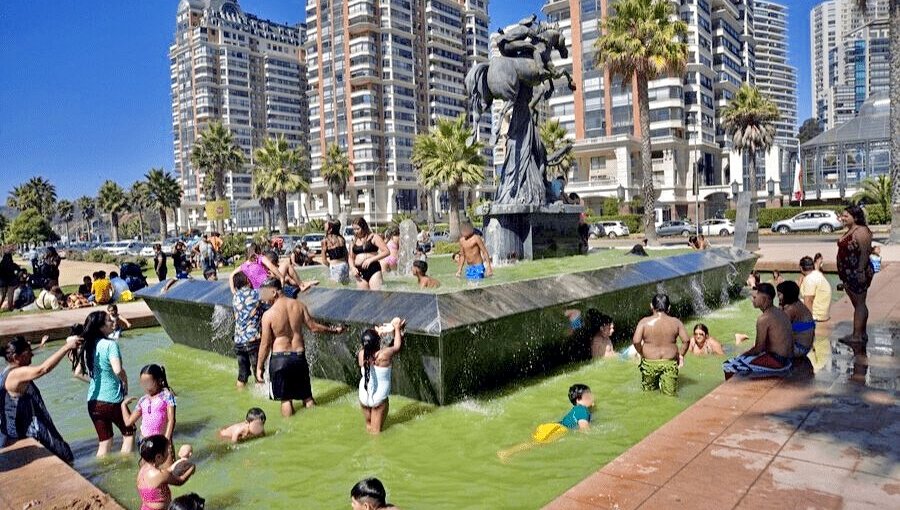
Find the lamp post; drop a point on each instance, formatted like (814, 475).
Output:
(620, 192)
(770, 187)
(735, 187)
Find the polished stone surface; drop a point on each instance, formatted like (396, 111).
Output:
(462, 343)
(515, 232)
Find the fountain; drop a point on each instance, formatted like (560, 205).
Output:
(407, 251)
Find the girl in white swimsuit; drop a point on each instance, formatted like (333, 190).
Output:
(375, 368)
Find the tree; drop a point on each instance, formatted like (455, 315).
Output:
(643, 41)
(4, 225)
(215, 153)
(445, 158)
(809, 130)
(555, 137)
(87, 207)
(750, 120)
(877, 192)
(138, 201)
(336, 171)
(111, 200)
(163, 192)
(38, 193)
(30, 227)
(280, 170)
(65, 211)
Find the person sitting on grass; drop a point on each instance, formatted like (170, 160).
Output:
(85, 288)
(102, 288)
(119, 285)
(253, 426)
(419, 270)
(771, 354)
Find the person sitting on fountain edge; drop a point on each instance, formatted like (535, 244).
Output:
(774, 348)
(474, 254)
(419, 268)
(656, 341)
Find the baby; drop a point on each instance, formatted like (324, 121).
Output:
(253, 426)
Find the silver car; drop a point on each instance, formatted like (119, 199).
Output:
(675, 228)
(824, 221)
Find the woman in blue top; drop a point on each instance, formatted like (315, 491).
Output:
(99, 362)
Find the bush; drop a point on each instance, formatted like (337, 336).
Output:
(444, 247)
(768, 216)
(610, 206)
(632, 221)
(233, 245)
(877, 215)
(103, 257)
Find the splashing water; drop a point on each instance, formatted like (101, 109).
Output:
(222, 324)
(407, 250)
(697, 301)
(724, 293)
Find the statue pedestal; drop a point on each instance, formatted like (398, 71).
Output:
(528, 232)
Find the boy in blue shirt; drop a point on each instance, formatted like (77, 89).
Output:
(579, 417)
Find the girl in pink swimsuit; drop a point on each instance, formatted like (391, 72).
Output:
(156, 475)
(257, 268)
(156, 409)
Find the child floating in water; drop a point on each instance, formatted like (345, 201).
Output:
(121, 323)
(419, 268)
(252, 427)
(578, 418)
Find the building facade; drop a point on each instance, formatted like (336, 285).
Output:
(380, 73)
(775, 77)
(243, 71)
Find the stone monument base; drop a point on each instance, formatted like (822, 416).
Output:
(526, 232)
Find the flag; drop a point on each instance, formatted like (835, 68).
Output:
(798, 183)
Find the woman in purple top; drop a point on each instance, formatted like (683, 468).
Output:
(257, 268)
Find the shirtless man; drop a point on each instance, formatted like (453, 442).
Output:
(475, 255)
(771, 355)
(282, 334)
(656, 342)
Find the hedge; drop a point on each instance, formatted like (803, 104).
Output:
(104, 257)
(444, 247)
(768, 216)
(632, 221)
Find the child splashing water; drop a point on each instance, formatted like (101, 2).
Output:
(156, 409)
(158, 472)
(375, 365)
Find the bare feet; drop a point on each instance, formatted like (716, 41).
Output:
(740, 337)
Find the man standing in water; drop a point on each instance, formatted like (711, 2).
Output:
(475, 255)
(774, 348)
(282, 334)
(656, 341)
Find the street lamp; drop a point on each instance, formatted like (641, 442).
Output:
(842, 191)
(735, 187)
(770, 187)
(620, 192)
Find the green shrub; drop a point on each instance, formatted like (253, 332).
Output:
(610, 206)
(632, 221)
(877, 215)
(103, 257)
(444, 247)
(233, 245)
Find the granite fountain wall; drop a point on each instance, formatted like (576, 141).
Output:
(459, 344)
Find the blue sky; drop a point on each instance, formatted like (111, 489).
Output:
(84, 91)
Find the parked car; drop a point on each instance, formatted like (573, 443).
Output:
(147, 251)
(825, 222)
(596, 231)
(441, 235)
(717, 227)
(614, 229)
(675, 228)
(313, 242)
(121, 247)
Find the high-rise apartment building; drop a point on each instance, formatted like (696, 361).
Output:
(381, 72)
(775, 77)
(243, 71)
(850, 57)
(687, 139)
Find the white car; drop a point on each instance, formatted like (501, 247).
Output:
(313, 242)
(717, 227)
(824, 221)
(614, 229)
(120, 247)
(147, 251)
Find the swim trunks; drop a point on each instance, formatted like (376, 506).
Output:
(289, 373)
(766, 364)
(475, 272)
(801, 350)
(659, 374)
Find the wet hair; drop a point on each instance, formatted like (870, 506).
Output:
(859, 216)
(210, 273)
(363, 225)
(92, 334)
(16, 346)
(272, 255)
(660, 303)
(595, 320)
(807, 264)
(113, 274)
(152, 446)
(790, 292)
(767, 289)
(576, 391)
(256, 413)
(190, 501)
(272, 283)
(574, 197)
(158, 373)
(240, 280)
(112, 308)
(702, 327)
(638, 250)
(370, 491)
(371, 343)
(333, 228)
(421, 265)
(252, 250)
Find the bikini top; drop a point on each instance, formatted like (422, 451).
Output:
(161, 494)
(803, 326)
(336, 253)
(367, 247)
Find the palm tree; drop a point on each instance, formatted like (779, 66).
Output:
(4, 224)
(555, 137)
(215, 153)
(138, 200)
(38, 193)
(444, 157)
(163, 192)
(876, 191)
(280, 170)
(65, 210)
(336, 171)
(750, 120)
(87, 207)
(644, 40)
(111, 200)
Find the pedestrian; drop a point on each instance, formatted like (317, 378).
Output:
(855, 268)
(159, 262)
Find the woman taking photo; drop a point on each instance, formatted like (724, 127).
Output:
(854, 268)
(368, 249)
(99, 362)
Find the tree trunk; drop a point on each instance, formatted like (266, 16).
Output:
(429, 205)
(282, 213)
(753, 222)
(141, 223)
(114, 227)
(453, 194)
(894, 91)
(163, 225)
(68, 239)
(175, 219)
(647, 190)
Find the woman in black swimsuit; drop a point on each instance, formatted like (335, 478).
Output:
(334, 253)
(368, 248)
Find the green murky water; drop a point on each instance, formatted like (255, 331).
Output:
(428, 457)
